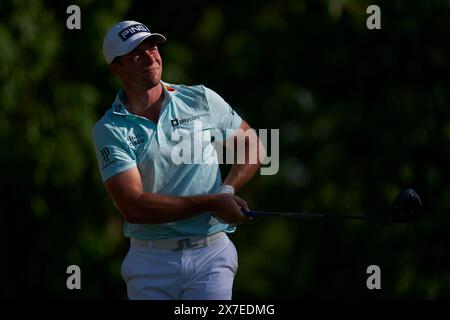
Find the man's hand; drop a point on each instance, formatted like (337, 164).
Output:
(227, 207)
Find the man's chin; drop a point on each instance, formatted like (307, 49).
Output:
(152, 84)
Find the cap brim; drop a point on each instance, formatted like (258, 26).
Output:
(159, 38)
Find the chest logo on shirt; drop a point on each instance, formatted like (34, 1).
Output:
(135, 140)
(175, 122)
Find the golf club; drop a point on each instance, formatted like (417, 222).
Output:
(407, 207)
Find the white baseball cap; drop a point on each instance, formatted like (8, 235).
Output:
(124, 37)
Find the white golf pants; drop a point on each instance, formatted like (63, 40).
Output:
(181, 270)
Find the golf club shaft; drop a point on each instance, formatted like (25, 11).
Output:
(255, 213)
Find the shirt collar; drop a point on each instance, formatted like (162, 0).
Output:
(168, 92)
(118, 106)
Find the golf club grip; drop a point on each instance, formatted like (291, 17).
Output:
(255, 213)
(308, 216)
(249, 213)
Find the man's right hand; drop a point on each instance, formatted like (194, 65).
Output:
(228, 207)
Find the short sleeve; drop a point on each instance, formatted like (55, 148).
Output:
(223, 117)
(113, 154)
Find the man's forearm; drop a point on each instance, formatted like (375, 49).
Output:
(240, 174)
(137, 206)
(153, 208)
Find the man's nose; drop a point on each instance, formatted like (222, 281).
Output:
(148, 55)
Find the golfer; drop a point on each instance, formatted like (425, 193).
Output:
(177, 215)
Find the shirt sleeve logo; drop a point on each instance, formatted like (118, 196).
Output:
(105, 155)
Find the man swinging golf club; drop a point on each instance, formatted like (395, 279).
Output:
(177, 216)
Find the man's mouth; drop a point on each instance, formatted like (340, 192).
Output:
(152, 69)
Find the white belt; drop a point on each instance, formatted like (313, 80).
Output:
(177, 244)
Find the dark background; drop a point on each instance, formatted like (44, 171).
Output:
(361, 113)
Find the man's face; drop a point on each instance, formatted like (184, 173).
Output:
(141, 68)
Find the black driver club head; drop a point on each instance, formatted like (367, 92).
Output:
(407, 207)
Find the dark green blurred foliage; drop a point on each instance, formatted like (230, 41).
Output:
(55, 210)
(361, 114)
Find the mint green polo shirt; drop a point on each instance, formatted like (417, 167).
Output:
(124, 141)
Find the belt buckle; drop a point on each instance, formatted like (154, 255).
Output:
(183, 243)
(186, 244)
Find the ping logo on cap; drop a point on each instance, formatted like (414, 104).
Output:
(132, 30)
